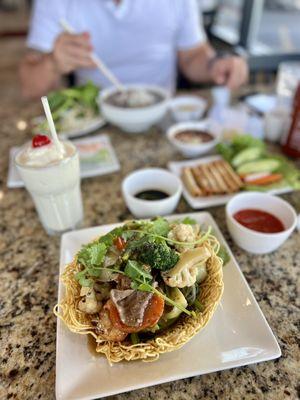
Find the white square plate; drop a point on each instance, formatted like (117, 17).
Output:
(208, 201)
(91, 161)
(237, 335)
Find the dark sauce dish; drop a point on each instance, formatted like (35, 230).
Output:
(152, 195)
(151, 191)
(194, 138)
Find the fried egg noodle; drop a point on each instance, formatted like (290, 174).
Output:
(169, 339)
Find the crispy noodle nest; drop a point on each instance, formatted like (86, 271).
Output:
(170, 339)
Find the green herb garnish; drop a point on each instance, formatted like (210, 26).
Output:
(135, 270)
(198, 305)
(188, 221)
(224, 255)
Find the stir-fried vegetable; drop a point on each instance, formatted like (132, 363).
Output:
(158, 255)
(139, 261)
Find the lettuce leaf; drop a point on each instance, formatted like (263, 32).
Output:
(226, 151)
(238, 143)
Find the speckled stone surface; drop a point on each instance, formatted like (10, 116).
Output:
(29, 276)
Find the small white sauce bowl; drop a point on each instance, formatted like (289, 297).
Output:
(151, 179)
(198, 106)
(260, 242)
(194, 149)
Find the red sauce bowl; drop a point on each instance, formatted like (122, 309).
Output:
(255, 241)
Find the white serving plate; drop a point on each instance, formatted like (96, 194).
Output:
(238, 334)
(209, 201)
(89, 127)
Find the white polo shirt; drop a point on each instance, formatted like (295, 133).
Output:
(137, 39)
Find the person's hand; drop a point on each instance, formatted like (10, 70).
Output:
(72, 52)
(230, 71)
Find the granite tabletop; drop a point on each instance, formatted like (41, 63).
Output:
(29, 277)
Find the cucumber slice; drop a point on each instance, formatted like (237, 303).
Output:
(250, 154)
(263, 165)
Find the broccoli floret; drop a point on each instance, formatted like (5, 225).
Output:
(157, 255)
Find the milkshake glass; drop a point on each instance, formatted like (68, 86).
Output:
(53, 181)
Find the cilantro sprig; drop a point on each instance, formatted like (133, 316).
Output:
(92, 256)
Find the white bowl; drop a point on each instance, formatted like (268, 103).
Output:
(147, 179)
(133, 120)
(198, 106)
(259, 242)
(194, 150)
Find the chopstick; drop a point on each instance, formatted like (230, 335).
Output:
(99, 63)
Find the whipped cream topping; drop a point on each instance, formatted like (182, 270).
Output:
(43, 156)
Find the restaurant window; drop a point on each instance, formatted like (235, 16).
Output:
(267, 31)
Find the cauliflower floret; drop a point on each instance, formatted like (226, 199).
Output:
(89, 304)
(184, 273)
(182, 233)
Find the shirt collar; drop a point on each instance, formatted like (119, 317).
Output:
(119, 10)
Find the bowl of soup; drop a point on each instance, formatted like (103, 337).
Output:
(259, 222)
(194, 138)
(136, 108)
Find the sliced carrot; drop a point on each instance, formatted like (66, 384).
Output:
(254, 176)
(265, 180)
(152, 314)
(120, 243)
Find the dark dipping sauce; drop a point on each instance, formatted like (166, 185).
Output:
(260, 221)
(194, 137)
(152, 195)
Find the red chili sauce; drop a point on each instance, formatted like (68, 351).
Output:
(260, 221)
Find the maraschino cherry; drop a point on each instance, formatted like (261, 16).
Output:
(40, 140)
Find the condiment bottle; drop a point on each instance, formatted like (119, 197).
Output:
(291, 145)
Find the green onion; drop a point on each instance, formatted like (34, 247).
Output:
(198, 305)
(134, 337)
